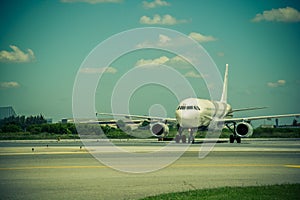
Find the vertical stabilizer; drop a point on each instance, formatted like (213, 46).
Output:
(224, 94)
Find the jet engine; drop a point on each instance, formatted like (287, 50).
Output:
(243, 129)
(159, 129)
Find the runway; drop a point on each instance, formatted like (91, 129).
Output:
(64, 170)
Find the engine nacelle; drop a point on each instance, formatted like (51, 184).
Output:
(243, 129)
(159, 129)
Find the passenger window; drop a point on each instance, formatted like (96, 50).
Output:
(189, 107)
(182, 108)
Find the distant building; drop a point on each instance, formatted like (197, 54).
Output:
(65, 120)
(49, 121)
(294, 124)
(7, 112)
(266, 126)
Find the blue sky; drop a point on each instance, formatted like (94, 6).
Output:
(43, 43)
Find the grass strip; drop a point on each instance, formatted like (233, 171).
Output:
(270, 192)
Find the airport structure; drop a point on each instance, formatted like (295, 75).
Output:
(7, 111)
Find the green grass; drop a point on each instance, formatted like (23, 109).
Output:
(273, 192)
(276, 132)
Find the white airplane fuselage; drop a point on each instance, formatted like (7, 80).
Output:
(194, 113)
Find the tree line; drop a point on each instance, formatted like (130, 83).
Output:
(34, 125)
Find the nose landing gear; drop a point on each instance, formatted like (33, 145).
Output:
(183, 137)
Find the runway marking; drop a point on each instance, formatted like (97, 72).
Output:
(106, 152)
(293, 166)
(228, 165)
(41, 153)
(174, 165)
(54, 167)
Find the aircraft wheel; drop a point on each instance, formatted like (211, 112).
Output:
(177, 138)
(180, 129)
(191, 140)
(231, 139)
(183, 139)
(238, 140)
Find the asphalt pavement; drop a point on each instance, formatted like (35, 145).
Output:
(66, 170)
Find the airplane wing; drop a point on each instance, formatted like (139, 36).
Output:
(245, 109)
(139, 117)
(240, 119)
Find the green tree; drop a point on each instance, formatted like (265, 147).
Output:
(11, 128)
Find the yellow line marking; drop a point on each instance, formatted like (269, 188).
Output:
(40, 153)
(227, 165)
(174, 165)
(292, 166)
(54, 167)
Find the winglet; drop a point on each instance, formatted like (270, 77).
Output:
(224, 94)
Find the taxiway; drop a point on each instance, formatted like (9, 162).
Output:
(63, 170)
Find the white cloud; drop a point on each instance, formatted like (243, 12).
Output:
(277, 83)
(175, 42)
(92, 1)
(192, 74)
(155, 3)
(157, 61)
(201, 38)
(7, 85)
(164, 20)
(176, 62)
(178, 59)
(287, 14)
(89, 70)
(111, 70)
(163, 39)
(16, 55)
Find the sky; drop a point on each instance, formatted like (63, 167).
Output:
(44, 43)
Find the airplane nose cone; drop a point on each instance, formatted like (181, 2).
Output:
(187, 119)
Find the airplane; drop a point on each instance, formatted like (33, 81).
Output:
(194, 113)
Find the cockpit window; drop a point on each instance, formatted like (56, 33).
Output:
(189, 107)
(196, 108)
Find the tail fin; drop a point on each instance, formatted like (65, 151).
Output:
(224, 94)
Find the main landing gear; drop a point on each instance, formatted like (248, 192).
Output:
(183, 138)
(234, 136)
